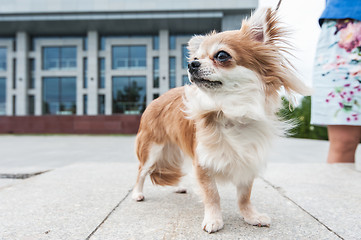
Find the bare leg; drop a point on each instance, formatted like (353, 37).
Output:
(213, 220)
(343, 143)
(249, 213)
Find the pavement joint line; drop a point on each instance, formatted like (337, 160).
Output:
(110, 213)
(21, 175)
(299, 206)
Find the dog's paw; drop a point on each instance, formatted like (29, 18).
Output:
(138, 196)
(212, 225)
(260, 220)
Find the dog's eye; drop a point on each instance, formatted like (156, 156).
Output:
(222, 56)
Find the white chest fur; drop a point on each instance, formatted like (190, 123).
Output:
(234, 151)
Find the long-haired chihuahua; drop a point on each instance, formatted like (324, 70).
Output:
(225, 120)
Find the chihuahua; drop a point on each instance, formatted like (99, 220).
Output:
(225, 120)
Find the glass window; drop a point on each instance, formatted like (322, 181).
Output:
(101, 78)
(101, 104)
(129, 94)
(59, 58)
(138, 56)
(155, 42)
(102, 43)
(31, 73)
(85, 73)
(185, 80)
(172, 76)
(2, 96)
(68, 57)
(156, 72)
(14, 105)
(185, 56)
(120, 57)
(51, 58)
(31, 104)
(59, 95)
(85, 104)
(155, 96)
(172, 42)
(2, 59)
(14, 73)
(85, 43)
(128, 57)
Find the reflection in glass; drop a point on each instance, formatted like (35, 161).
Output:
(85, 104)
(156, 72)
(85, 43)
(172, 42)
(128, 57)
(172, 77)
(2, 59)
(101, 104)
(59, 95)
(156, 42)
(185, 56)
(129, 94)
(31, 73)
(14, 73)
(101, 70)
(137, 56)
(68, 57)
(2, 96)
(59, 58)
(85, 73)
(31, 104)
(51, 58)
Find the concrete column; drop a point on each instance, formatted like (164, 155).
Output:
(22, 48)
(93, 43)
(163, 61)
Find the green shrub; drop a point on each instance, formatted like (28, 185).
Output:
(301, 115)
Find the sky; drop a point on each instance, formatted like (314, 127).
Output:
(301, 17)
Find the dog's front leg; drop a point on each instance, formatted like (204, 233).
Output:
(248, 211)
(212, 221)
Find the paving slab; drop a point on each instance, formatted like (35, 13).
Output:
(330, 193)
(39, 152)
(168, 215)
(67, 203)
(5, 182)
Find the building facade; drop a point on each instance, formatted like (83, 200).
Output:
(99, 58)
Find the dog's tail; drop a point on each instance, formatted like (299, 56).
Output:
(166, 176)
(167, 169)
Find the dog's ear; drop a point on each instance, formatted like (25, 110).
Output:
(194, 44)
(264, 26)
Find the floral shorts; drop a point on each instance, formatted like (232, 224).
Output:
(337, 74)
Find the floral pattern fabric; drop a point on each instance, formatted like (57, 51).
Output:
(337, 74)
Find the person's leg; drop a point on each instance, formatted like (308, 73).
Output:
(343, 143)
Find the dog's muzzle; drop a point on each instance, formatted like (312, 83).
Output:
(193, 66)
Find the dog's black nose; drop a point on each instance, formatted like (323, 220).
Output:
(193, 66)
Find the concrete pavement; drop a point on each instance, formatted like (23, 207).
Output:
(86, 194)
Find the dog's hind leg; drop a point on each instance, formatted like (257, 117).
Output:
(146, 166)
(248, 211)
(138, 188)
